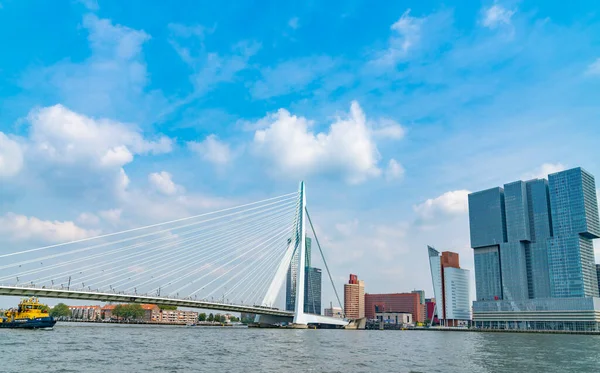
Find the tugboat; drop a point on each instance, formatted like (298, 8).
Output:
(30, 314)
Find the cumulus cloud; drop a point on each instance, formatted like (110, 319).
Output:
(63, 136)
(163, 182)
(594, 68)
(496, 16)
(347, 149)
(11, 156)
(212, 150)
(450, 203)
(544, 170)
(23, 228)
(394, 170)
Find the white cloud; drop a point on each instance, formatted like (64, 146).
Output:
(346, 149)
(11, 156)
(594, 68)
(394, 170)
(496, 16)
(544, 170)
(88, 219)
(212, 150)
(112, 216)
(110, 82)
(163, 182)
(448, 204)
(389, 129)
(23, 228)
(406, 35)
(294, 23)
(62, 136)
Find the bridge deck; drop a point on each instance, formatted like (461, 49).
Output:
(133, 298)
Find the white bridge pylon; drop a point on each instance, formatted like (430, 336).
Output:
(297, 242)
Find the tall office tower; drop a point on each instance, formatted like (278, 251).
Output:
(574, 210)
(312, 292)
(354, 298)
(532, 244)
(488, 230)
(292, 275)
(451, 286)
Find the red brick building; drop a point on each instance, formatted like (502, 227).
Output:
(396, 302)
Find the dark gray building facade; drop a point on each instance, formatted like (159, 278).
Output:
(533, 240)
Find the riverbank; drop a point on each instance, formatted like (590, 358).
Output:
(126, 322)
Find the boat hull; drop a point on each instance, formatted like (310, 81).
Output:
(39, 323)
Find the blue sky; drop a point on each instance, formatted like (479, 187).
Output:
(116, 114)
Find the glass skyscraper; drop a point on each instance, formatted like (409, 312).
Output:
(533, 240)
(574, 210)
(312, 277)
(312, 293)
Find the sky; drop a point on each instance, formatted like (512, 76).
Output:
(114, 115)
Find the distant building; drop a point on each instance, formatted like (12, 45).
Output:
(451, 287)
(312, 290)
(334, 312)
(151, 312)
(534, 256)
(430, 310)
(106, 311)
(354, 298)
(86, 313)
(292, 276)
(395, 302)
(421, 300)
(177, 317)
(395, 317)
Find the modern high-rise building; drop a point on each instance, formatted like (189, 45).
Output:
(450, 287)
(292, 275)
(312, 291)
(354, 298)
(533, 251)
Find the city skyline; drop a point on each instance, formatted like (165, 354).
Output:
(168, 144)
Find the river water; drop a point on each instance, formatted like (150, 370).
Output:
(73, 347)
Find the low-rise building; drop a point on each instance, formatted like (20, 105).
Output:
(334, 312)
(395, 317)
(396, 303)
(177, 317)
(85, 313)
(106, 311)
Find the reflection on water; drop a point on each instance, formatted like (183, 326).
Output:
(121, 348)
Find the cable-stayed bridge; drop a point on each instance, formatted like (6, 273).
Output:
(235, 259)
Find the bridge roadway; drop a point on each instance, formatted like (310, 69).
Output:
(280, 315)
(135, 298)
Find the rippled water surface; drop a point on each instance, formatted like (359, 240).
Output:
(120, 348)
